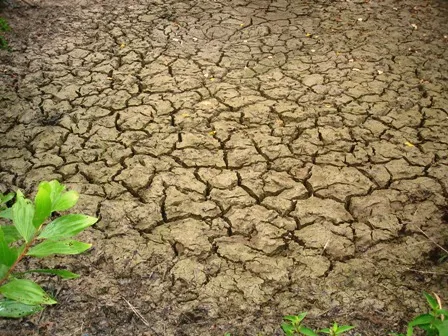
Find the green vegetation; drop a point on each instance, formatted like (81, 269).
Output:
(434, 323)
(293, 326)
(33, 234)
(4, 27)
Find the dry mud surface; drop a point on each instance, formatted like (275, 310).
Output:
(248, 159)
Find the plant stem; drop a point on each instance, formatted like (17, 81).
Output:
(19, 258)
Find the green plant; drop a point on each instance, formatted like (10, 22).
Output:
(293, 326)
(335, 329)
(434, 323)
(4, 27)
(33, 235)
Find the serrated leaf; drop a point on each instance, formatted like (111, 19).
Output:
(421, 319)
(66, 201)
(431, 301)
(343, 329)
(42, 203)
(6, 213)
(67, 226)
(49, 247)
(25, 291)
(307, 331)
(14, 309)
(22, 216)
(11, 233)
(64, 274)
(7, 255)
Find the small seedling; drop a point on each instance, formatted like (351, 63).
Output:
(336, 329)
(31, 235)
(435, 323)
(293, 326)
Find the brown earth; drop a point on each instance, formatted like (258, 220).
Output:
(248, 159)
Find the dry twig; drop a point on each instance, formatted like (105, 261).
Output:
(136, 312)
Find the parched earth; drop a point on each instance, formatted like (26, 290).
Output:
(247, 159)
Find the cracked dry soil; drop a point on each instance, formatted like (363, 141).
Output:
(248, 159)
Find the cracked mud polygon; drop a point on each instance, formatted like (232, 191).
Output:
(248, 159)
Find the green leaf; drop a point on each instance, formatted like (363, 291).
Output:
(11, 308)
(442, 328)
(66, 201)
(11, 233)
(301, 316)
(22, 215)
(343, 329)
(55, 189)
(325, 331)
(6, 198)
(291, 318)
(421, 319)
(25, 291)
(431, 301)
(6, 214)
(8, 255)
(42, 202)
(295, 319)
(49, 247)
(64, 274)
(287, 328)
(443, 312)
(67, 226)
(307, 331)
(3, 270)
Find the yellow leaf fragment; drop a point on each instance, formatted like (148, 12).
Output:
(407, 143)
(122, 45)
(185, 115)
(212, 132)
